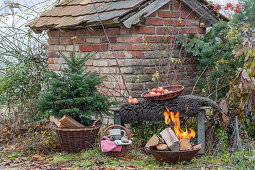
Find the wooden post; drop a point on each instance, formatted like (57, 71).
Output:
(117, 117)
(201, 129)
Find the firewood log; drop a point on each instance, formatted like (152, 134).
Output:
(56, 121)
(197, 147)
(69, 122)
(162, 147)
(171, 139)
(154, 140)
(185, 144)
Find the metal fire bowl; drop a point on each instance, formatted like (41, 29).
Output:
(173, 157)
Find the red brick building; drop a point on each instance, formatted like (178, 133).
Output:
(140, 31)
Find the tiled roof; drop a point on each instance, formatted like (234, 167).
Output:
(80, 13)
(76, 12)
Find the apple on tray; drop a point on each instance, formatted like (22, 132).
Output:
(158, 91)
(163, 93)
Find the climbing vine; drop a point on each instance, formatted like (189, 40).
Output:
(217, 65)
(240, 98)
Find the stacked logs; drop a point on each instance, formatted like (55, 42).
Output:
(170, 142)
(66, 122)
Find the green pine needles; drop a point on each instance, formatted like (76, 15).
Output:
(74, 92)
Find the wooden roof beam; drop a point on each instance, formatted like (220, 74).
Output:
(144, 12)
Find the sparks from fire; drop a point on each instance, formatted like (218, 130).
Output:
(177, 128)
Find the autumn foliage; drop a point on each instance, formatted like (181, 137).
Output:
(230, 6)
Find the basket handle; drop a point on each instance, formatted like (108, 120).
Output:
(96, 122)
(112, 126)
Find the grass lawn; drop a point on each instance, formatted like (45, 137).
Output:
(137, 159)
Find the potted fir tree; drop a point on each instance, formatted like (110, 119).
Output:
(73, 92)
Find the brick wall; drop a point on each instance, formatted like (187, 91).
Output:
(137, 49)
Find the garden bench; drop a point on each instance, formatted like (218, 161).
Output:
(187, 106)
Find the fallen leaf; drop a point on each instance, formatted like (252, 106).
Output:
(35, 157)
(24, 158)
(32, 165)
(127, 158)
(41, 159)
(7, 163)
(131, 166)
(45, 163)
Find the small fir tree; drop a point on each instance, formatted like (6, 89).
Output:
(74, 92)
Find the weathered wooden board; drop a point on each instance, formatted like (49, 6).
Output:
(200, 9)
(107, 15)
(145, 12)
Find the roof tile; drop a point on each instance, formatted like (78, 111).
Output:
(76, 12)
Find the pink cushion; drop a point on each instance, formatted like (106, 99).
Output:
(109, 146)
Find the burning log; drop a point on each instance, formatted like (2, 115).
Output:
(154, 140)
(175, 140)
(177, 127)
(70, 122)
(162, 147)
(185, 144)
(170, 138)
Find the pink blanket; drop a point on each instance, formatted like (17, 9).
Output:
(108, 146)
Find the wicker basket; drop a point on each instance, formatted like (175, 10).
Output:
(125, 148)
(176, 91)
(75, 140)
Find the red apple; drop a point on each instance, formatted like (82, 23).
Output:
(152, 93)
(134, 100)
(130, 99)
(160, 89)
(154, 90)
(165, 91)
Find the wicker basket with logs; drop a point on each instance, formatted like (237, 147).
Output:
(73, 140)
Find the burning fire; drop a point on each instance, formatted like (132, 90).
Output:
(177, 128)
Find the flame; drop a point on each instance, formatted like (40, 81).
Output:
(187, 109)
(177, 128)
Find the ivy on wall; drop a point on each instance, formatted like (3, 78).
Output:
(217, 63)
